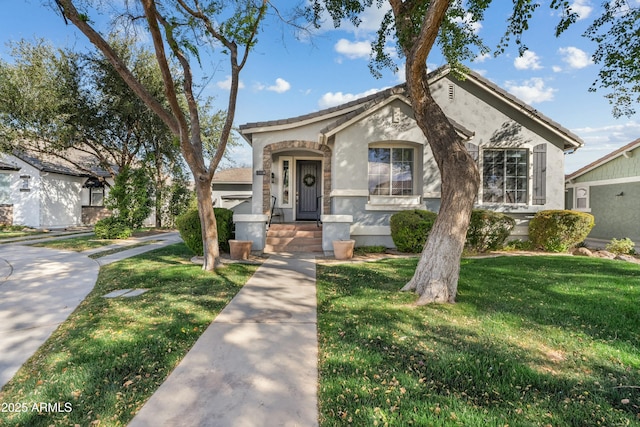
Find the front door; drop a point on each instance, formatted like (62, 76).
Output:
(308, 189)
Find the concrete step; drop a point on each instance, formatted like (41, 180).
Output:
(294, 238)
(292, 248)
(294, 233)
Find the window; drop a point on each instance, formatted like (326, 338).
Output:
(581, 197)
(391, 171)
(505, 176)
(96, 196)
(5, 188)
(284, 185)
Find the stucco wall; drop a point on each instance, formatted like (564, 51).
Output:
(616, 215)
(61, 200)
(26, 204)
(497, 124)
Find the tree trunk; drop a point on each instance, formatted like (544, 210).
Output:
(208, 225)
(436, 276)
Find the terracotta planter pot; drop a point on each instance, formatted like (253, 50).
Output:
(240, 249)
(343, 249)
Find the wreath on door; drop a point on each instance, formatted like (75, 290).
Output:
(309, 180)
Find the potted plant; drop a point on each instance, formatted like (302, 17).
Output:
(343, 249)
(240, 249)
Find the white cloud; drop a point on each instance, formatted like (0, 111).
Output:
(475, 26)
(481, 58)
(226, 84)
(556, 69)
(531, 91)
(574, 57)
(583, 8)
(528, 61)
(600, 141)
(353, 50)
(331, 99)
(281, 86)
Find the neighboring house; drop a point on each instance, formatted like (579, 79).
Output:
(49, 193)
(231, 189)
(365, 160)
(609, 189)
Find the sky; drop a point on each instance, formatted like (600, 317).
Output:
(291, 73)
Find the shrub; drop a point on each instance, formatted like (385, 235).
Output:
(559, 230)
(621, 247)
(130, 197)
(188, 225)
(410, 229)
(518, 245)
(488, 230)
(112, 228)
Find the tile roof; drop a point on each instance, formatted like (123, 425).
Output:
(353, 108)
(234, 175)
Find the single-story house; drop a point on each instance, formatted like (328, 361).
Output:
(231, 189)
(358, 163)
(41, 192)
(609, 189)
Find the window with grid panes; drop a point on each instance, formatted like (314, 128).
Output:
(505, 176)
(391, 171)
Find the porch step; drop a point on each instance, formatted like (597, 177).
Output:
(293, 238)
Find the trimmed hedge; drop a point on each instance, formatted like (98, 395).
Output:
(188, 224)
(559, 230)
(112, 228)
(488, 230)
(410, 229)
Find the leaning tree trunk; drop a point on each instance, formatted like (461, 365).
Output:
(436, 276)
(208, 225)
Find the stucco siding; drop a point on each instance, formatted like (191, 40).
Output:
(497, 125)
(61, 200)
(615, 215)
(26, 204)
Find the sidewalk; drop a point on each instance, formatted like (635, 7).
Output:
(256, 364)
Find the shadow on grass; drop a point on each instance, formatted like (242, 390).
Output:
(551, 342)
(111, 354)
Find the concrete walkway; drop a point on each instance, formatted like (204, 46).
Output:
(256, 364)
(40, 290)
(41, 287)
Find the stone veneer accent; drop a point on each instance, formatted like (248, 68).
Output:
(6, 214)
(267, 160)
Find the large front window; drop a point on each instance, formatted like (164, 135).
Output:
(391, 171)
(505, 176)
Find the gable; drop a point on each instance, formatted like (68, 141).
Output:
(619, 164)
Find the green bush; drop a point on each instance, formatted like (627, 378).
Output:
(188, 224)
(112, 228)
(621, 247)
(559, 230)
(224, 221)
(410, 229)
(488, 230)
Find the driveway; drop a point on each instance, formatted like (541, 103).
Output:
(39, 289)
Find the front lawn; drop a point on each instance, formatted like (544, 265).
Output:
(532, 341)
(112, 354)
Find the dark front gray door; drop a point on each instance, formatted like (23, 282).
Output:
(308, 189)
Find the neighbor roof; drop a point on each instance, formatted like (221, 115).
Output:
(358, 106)
(605, 159)
(49, 163)
(233, 176)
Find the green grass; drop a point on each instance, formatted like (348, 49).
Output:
(78, 244)
(531, 341)
(112, 354)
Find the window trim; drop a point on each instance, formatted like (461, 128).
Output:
(280, 182)
(414, 178)
(586, 208)
(529, 175)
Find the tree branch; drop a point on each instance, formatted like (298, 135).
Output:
(71, 13)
